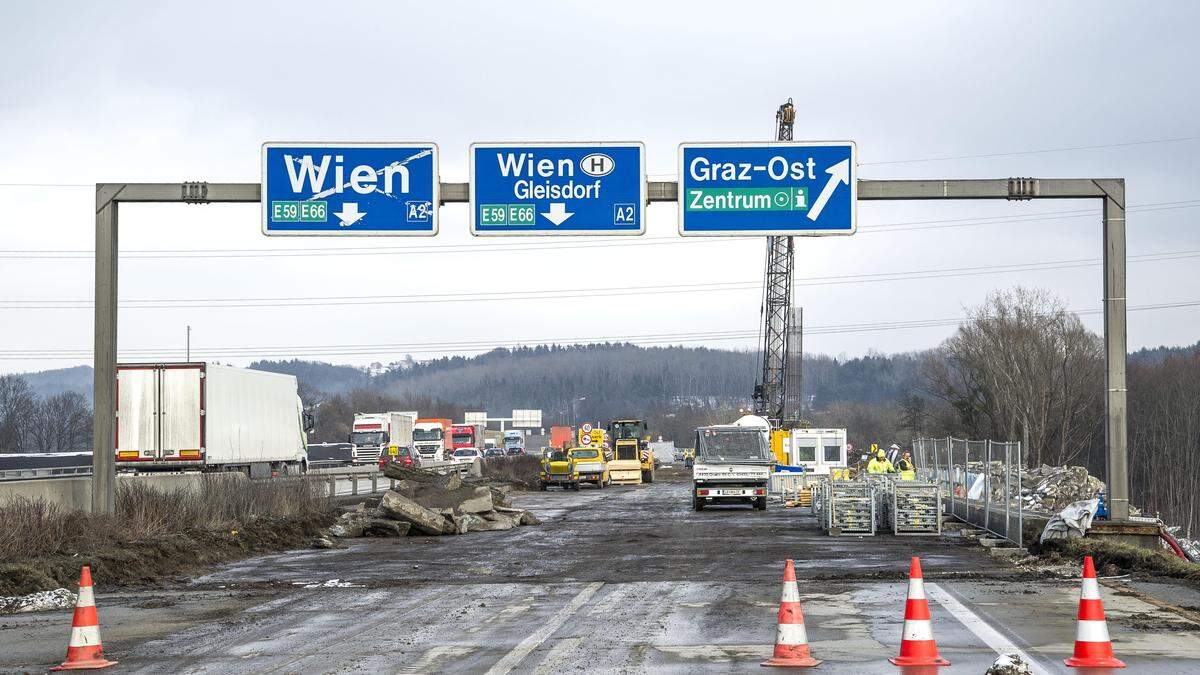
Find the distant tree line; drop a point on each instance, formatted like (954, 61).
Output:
(31, 423)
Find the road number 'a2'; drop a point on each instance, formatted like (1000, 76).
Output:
(624, 214)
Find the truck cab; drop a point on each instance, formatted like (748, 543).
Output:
(590, 464)
(558, 468)
(431, 438)
(732, 464)
(514, 442)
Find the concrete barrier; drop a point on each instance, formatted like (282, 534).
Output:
(76, 492)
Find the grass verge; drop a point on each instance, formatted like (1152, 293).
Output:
(155, 535)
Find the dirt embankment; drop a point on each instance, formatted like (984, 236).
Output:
(1113, 558)
(155, 537)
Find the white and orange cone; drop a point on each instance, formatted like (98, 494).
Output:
(1093, 648)
(85, 652)
(791, 640)
(917, 646)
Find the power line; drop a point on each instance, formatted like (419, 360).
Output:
(609, 291)
(15, 354)
(1035, 152)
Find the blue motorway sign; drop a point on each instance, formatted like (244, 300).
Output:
(783, 188)
(558, 188)
(350, 189)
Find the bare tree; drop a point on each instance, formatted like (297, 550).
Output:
(17, 404)
(1024, 365)
(61, 423)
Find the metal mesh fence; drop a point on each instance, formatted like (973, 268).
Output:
(981, 481)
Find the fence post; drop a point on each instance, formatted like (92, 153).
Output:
(354, 484)
(1020, 497)
(950, 475)
(987, 485)
(1007, 491)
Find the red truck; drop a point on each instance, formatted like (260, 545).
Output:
(560, 436)
(466, 437)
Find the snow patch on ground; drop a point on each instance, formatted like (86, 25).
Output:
(59, 598)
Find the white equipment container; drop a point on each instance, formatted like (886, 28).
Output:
(210, 417)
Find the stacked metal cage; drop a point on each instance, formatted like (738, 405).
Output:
(847, 507)
(912, 508)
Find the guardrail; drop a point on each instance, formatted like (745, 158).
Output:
(43, 473)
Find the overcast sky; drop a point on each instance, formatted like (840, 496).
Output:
(106, 92)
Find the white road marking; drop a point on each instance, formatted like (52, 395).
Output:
(990, 636)
(547, 629)
(557, 656)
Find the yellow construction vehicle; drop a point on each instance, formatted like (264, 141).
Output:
(590, 464)
(558, 468)
(633, 460)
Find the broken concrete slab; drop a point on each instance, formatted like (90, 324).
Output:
(398, 507)
(382, 527)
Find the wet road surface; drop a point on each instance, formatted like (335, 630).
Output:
(616, 580)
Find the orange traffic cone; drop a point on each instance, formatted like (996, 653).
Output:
(85, 652)
(791, 640)
(1093, 648)
(917, 646)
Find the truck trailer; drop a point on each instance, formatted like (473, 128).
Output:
(208, 417)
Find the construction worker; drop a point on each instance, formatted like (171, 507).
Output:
(880, 464)
(905, 466)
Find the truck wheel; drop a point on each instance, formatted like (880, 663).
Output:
(761, 503)
(648, 476)
(697, 503)
(575, 486)
(545, 487)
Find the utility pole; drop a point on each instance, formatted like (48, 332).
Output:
(770, 393)
(188, 347)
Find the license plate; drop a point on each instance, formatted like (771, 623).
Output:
(744, 492)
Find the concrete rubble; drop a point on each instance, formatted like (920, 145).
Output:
(429, 503)
(1009, 664)
(1047, 489)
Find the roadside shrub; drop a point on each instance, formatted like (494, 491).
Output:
(31, 529)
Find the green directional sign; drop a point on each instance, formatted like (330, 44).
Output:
(746, 199)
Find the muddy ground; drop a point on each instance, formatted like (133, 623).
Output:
(625, 579)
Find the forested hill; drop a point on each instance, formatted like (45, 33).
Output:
(613, 379)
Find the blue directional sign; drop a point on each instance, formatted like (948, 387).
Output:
(558, 188)
(804, 188)
(350, 189)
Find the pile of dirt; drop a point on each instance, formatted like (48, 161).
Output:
(518, 471)
(151, 560)
(1113, 558)
(429, 503)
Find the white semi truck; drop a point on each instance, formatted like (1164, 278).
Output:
(733, 464)
(376, 434)
(514, 442)
(209, 417)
